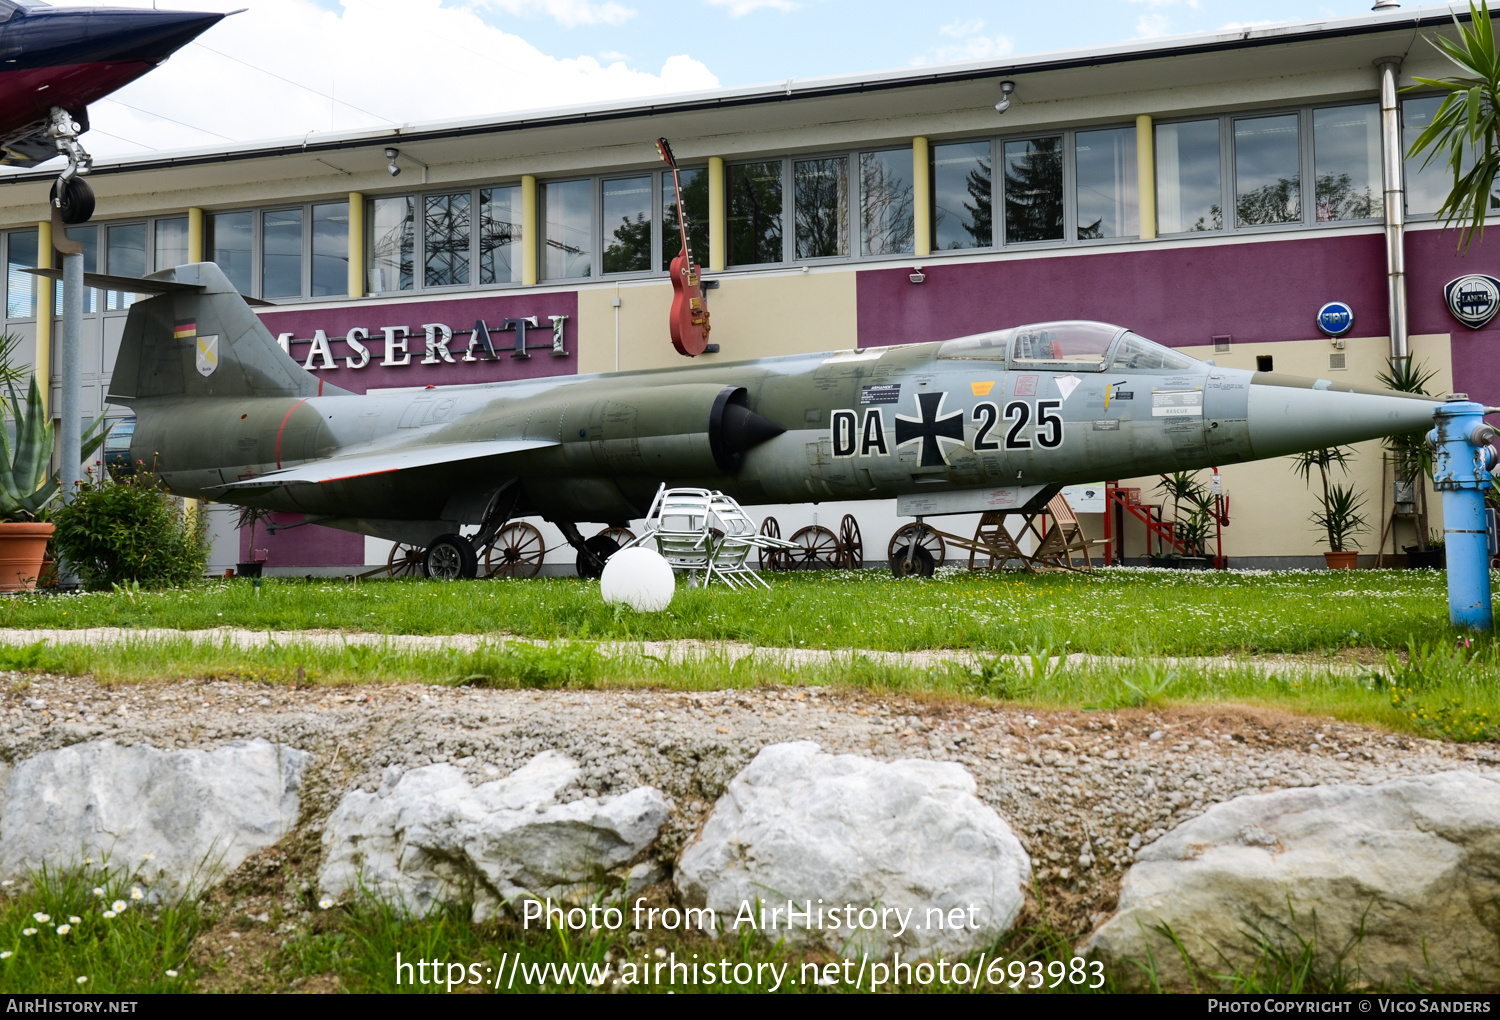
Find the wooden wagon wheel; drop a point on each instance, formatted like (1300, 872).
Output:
(851, 543)
(404, 561)
(772, 559)
(517, 551)
(819, 549)
(621, 536)
(927, 539)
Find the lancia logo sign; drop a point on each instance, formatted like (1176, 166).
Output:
(1473, 300)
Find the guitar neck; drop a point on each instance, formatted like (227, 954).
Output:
(681, 215)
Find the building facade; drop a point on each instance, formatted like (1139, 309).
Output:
(1211, 193)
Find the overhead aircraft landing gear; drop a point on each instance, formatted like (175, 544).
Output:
(450, 558)
(71, 194)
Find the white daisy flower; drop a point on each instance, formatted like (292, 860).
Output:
(99, 891)
(41, 917)
(135, 893)
(109, 914)
(171, 973)
(63, 929)
(117, 906)
(6, 955)
(82, 980)
(28, 931)
(325, 903)
(75, 920)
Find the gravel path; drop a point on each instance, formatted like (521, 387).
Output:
(1082, 790)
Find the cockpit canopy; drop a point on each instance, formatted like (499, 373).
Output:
(1072, 346)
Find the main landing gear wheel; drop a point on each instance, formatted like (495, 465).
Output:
(602, 546)
(920, 563)
(851, 544)
(819, 549)
(517, 551)
(404, 561)
(77, 203)
(926, 539)
(450, 558)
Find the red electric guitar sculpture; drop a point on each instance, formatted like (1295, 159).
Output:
(689, 319)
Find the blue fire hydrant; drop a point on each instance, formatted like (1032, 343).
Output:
(1462, 462)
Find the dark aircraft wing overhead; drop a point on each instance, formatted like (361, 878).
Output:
(340, 468)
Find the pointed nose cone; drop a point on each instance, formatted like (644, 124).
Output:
(1288, 414)
(150, 36)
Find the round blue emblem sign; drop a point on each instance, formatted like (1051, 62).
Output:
(1336, 318)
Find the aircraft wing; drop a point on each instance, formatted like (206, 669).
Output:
(337, 469)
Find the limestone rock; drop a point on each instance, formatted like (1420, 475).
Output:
(910, 836)
(176, 821)
(1413, 862)
(427, 836)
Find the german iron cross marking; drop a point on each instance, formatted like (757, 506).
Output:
(930, 427)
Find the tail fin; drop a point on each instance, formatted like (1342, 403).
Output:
(200, 339)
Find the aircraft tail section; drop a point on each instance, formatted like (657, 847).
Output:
(196, 337)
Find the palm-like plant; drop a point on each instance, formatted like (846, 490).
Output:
(1410, 451)
(1340, 517)
(27, 485)
(1467, 123)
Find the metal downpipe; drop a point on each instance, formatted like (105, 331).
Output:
(1395, 208)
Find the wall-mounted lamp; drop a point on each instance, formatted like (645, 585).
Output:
(917, 276)
(1006, 88)
(394, 158)
(392, 155)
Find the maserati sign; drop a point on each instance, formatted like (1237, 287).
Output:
(1473, 300)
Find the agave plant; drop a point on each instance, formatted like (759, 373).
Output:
(27, 485)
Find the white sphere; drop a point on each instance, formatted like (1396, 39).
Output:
(640, 578)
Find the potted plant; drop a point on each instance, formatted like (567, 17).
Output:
(1192, 518)
(249, 517)
(1340, 516)
(28, 488)
(1412, 460)
(1433, 557)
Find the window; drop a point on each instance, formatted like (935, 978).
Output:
(961, 196)
(1033, 190)
(570, 228)
(1189, 188)
(1107, 194)
(1267, 171)
(885, 202)
(20, 286)
(125, 255)
(1346, 163)
(695, 199)
(281, 254)
(88, 237)
(393, 238)
(627, 225)
(445, 239)
(822, 207)
(1427, 187)
(229, 244)
(171, 242)
(330, 249)
(500, 235)
(754, 215)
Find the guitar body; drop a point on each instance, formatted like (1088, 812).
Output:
(689, 318)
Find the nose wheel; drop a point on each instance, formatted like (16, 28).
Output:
(450, 558)
(71, 195)
(74, 200)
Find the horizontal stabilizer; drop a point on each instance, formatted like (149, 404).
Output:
(338, 469)
(135, 284)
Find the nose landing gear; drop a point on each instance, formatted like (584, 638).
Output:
(71, 194)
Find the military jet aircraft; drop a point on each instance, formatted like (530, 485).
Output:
(996, 421)
(54, 61)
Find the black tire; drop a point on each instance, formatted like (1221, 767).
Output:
(77, 201)
(921, 564)
(600, 545)
(450, 558)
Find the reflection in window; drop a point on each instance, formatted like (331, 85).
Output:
(281, 254)
(1346, 163)
(1108, 198)
(627, 225)
(392, 244)
(885, 202)
(500, 235)
(171, 243)
(330, 249)
(1137, 354)
(125, 255)
(1267, 171)
(695, 198)
(1076, 344)
(228, 242)
(89, 238)
(20, 286)
(1033, 190)
(570, 227)
(1188, 192)
(445, 240)
(755, 213)
(962, 214)
(822, 211)
(1427, 187)
(983, 347)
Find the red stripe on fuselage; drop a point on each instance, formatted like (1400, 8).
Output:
(283, 429)
(28, 95)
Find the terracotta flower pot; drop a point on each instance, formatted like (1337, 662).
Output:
(23, 546)
(1346, 560)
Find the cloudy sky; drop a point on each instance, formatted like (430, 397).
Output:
(289, 67)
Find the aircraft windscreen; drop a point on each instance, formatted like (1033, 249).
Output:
(1137, 354)
(982, 347)
(1074, 346)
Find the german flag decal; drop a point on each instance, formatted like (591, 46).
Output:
(185, 330)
